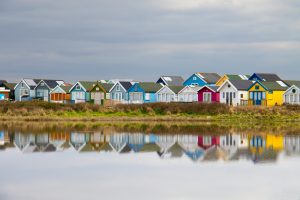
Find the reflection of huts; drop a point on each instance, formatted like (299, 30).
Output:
(257, 144)
(136, 141)
(42, 143)
(215, 153)
(98, 140)
(207, 141)
(4, 140)
(165, 142)
(118, 141)
(78, 140)
(266, 156)
(230, 143)
(189, 144)
(243, 153)
(23, 140)
(60, 140)
(292, 144)
(275, 142)
(174, 151)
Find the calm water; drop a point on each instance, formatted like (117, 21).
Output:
(106, 163)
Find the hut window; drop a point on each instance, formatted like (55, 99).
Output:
(257, 87)
(234, 95)
(135, 88)
(147, 96)
(42, 84)
(242, 95)
(118, 88)
(251, 95)
(22, 85)
(229, 85)
(263, 95)
(97, 89)
(294, 91)
(78, 87)
(194, 78)
(223, 95)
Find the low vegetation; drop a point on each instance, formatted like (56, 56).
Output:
(38, 110)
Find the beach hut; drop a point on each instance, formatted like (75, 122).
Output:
(208, 94)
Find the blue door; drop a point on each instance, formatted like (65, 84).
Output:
(257, 97)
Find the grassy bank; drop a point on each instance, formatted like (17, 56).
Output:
(43, 111)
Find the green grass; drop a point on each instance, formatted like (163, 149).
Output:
(43, 111)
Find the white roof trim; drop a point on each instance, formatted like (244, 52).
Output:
(165, 86)
(115, 86)
(44, 82)
(58, 86)
(75, 85)
(201, 77)
(290, 88)
(21, 82)
(227, 81)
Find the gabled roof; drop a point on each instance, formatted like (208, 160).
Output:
(292, 82)
(209, 78)
(238, 84)
(274, 86)
(51, 84)
(126, 85)
(150, 87)
(10, 86)
(176, 89)
(212, 88)
(66, 88)
(237, 77)
(88, 85)
(171, 80)
(107, 86)
(194, 88)
(269, 77)
(31, 83)
(270, 86)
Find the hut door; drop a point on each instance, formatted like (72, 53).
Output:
(207, 97)
(97, 99)
(257, 96)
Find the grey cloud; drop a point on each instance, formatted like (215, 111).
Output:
(72, 39)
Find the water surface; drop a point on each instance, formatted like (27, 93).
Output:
(109, 162)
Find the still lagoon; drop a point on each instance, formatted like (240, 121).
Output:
(148, 162)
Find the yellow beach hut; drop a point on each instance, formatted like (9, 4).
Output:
(266, 93)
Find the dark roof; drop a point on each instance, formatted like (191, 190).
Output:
(292, 82)
(237, 77)
(31, 82)
(176, 89)
(88, 85)
(210, 78)
(268, 77)
(10, 86)
(126, 84)
(66, 88)
(241, 84)
(107, 86)
(150, 86)
(274, 86)
(52, 83)
(2, 81)
(172, 80)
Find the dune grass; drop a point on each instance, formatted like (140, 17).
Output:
(44, 111)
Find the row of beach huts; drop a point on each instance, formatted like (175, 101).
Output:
(231, 146)
(266, 89)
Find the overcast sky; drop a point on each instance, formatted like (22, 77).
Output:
(143, 39)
